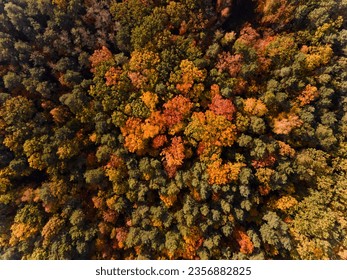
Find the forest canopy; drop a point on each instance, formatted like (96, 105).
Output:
(158, 129)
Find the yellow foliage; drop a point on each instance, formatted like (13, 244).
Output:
(110, 202)
(60, 3)
(282, 47)
(318, 56)
(285, 202)
(68, 149)
(188, 75)
(212, 129)
(142, 60)
(150, 99)
(221, 174)
(12, 140)
(114, 175)
(264, 175)
(327, 28)
(309, 249)
(21, 232)
(4, 183)
(168, 200)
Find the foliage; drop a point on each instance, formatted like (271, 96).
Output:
(144, 129)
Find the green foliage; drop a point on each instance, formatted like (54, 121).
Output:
(144, 129)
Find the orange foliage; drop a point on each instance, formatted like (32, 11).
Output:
(231, 63)
(150, 100)
(285, 202)
(264, 190)
(248, 35)
(255, 107)
(99, 56)
(268, 161)
(168, 200)
(112, 76)
(59, 114)
(170, 170)
(97, 202)
(214, 90)
(245, 243)
(115, 162)
(109, 216)
(28, 195)
(309, 94)
(221, 174)
(223, 107)
(153, 125)
(119, 234)
(173, 155)
(285, 123)
(133, 135)
(137, 79)
(21, 232)
(136, 132)
(159, 141)
(285, 149)
(51, 228)
(275, 11)
(193, 241)
(189, 75)
(176, 109)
